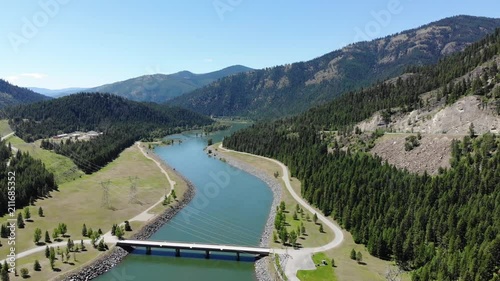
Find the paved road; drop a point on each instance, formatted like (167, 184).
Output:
(42, 248)
(108, 238)
(301, 259)
(7, 136)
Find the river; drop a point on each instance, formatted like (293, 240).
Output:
(230, 207)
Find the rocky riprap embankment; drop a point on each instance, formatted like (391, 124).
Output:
(116, 255)
(261, 266)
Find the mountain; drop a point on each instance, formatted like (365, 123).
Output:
(95, 111)
(57, 93)
(121, 122)
(440, 227)
(290, 89)
(12, 95)
(160, 87)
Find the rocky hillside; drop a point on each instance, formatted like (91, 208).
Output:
(160, 88)
(13, 95)
(289, 89)
(439, 122)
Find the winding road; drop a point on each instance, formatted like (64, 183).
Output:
(108, 238)
(7, 136)
(300, 259)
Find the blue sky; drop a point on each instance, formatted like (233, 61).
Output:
(83, 43)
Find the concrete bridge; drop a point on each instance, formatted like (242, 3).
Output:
(207, 248)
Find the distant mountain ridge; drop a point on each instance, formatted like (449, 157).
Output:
(160, 88)
(290, 89)
(14, 95)
(58, 92)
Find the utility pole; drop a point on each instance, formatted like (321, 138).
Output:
(133, 189)
(105, 194)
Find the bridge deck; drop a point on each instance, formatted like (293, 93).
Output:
(195, 246)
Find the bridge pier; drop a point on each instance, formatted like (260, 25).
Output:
(238, 256)
(207, 254)
(148, 250)
(177, 252)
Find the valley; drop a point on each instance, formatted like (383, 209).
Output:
(376, 161)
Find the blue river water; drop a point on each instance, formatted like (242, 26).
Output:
(230, 207)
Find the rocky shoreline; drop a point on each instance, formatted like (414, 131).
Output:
(117, 254)
(109, 260)
(262, 265)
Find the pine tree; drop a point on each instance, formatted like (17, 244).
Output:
(62, 229)
(283, 233)
(37, 235)
(47, 237)
(55, 234)
(119, 232)
(40, 212)
(293, 238)
(84, 230)
(37, 266)
(52, 258)
(20, 221)
(24, 272)
(359, 257)
(282, 206)
(127, 226)
(101, 247)
(4, 231)
(47, 252)
(321, 230)
(27, 213)
(70, 245)
(315, 218)
(353, 254)
(4, 274)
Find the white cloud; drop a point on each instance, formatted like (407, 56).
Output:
(34, 75)
(25, 76)
(208, 60)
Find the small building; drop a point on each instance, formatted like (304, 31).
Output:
(92, 134)
(60, 136)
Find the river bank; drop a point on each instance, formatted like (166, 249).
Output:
(112, 258)
(262, 265)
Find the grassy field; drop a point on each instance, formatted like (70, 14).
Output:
(321, 273)
(46, 273)
(347, 269)
(62, 167)
(4, 128)
(313, 237)
(80, 201)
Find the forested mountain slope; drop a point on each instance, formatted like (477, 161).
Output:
(160, 88)
(290, 89)
(122, 121)
(444, 227)
(13, 95)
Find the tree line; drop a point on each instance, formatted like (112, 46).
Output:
(121, 121)
(32, 180)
